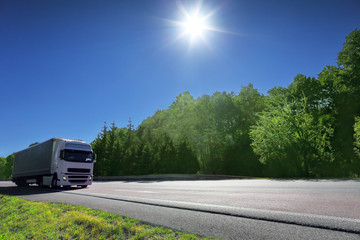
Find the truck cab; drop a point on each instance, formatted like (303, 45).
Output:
(74, 164)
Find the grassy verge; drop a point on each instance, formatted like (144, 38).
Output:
(23, 219)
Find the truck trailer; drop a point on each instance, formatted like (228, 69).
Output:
(57, 162)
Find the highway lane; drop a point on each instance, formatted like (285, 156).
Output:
(232, 209)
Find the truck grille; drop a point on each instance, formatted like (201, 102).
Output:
(79, 170)
(78, 179)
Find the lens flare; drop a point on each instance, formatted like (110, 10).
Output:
(195, 23)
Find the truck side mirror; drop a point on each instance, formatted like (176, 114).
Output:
(62, 154)
(94, 157)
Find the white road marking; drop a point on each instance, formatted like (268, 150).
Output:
(124, 190)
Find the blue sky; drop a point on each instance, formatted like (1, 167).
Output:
(68, 66)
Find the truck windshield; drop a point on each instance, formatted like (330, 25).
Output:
(78, 156)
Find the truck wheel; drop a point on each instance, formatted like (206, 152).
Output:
(40, 182)
(54, 182)
(83, 186)
(21, 182)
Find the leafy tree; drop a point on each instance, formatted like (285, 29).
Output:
(144, 157)
(342, 88)
(309, 88)
(167, 156)
(356, 169)
(349, 60)
(33, 144)
(349, 101)
(357, 135)
(239, 158)
(111, 147)
(186, 159)
(9, 166)
(291, 143)
(2, 167)
(99, 147)
(130, 147)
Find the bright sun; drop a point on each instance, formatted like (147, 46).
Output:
(194, 26)
(195, 23)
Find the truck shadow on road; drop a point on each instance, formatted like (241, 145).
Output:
(31, 190)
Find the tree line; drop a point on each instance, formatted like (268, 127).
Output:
(309, 129)
(121, 151)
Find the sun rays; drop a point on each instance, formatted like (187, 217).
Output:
(194, 25)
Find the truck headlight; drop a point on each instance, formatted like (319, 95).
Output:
(90, 178)
(64, 178)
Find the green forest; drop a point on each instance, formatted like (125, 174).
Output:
(311, 129)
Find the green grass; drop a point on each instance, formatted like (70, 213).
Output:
(23, 219)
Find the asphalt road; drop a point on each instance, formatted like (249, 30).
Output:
(230, 209)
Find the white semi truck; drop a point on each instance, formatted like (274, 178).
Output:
(57, 162)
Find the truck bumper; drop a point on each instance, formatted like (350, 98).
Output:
(71, 179)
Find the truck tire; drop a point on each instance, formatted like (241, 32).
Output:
(40, 182)
(18, 183)
(21, 182)
(83, 186)
(54, 182)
